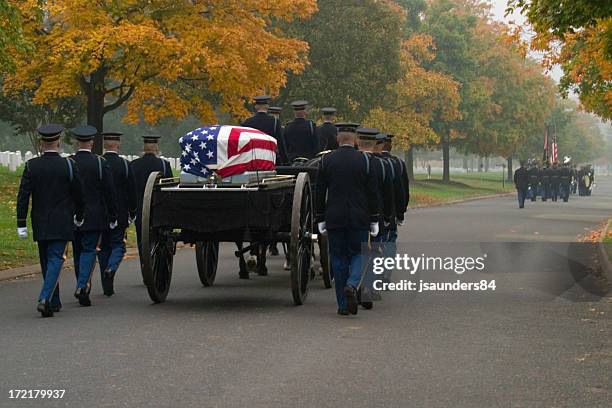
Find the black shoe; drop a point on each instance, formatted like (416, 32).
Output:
(351, 299)
(243, 275)
(107, 283)
(56, 308)
(262, 271)
(274, 251)
(44, 308)
(83, 297)
(343, 312)
(367, 305)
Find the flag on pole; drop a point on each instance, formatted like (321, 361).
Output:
(554, 151)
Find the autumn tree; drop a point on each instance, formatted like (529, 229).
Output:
(162, 58)
(11, 38)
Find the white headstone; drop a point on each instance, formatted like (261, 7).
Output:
(4, 159)
(28, 155)
(13, 162)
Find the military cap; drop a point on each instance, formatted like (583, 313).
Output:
(262, 99)
(390, 136)
(112, 135)
(275, 109)
(368, 133)
(151, 138)
(299, 105)
(50, 131)
(84, 133)
(328, 111)
(347, 127)
(381, 137)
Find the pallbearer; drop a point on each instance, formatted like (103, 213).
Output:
(301, 134)
(347, 210)
(545, 176)
(141, 169)
(327, 133)
(555, 180)
(268, 124)
(54, 184)
(565, 174)
(533, 172)
(100, 209)
(112, 248)
(521, 182)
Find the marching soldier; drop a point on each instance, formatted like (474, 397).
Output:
(100, 209)
(268, 124)
(301, 134)
(521, 182)
(276, 111)
(54, 184)
(565, 180)
(555, 179)
(533, 173)
(141, 169)
(112, 248)
(347, 210)
(327, 132)
(368, 142)
(545, 176)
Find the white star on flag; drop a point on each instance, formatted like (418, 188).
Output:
(209, 137)
(204, 132)
(194, 137)
(187, 167)
(181, 140)
(188, 148)
(210, 154)
(184, 153)
(193, 161)
(202, 146)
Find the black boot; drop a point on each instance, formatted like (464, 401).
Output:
(351, 299)
(44, 308)
(108, 278)
(83, 297)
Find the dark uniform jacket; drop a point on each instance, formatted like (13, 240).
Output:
(125, 192)
(347, 180)
(546, 175)
(301, 139)
(401, 185)
(386, 187)
(98, 191)
(141, 169)
(272, 127)
(521, 178)
(55, 186)
(555, 175)
(565, 174)
(534, 176)
(327, 134)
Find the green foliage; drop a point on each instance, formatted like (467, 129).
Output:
(10, 35)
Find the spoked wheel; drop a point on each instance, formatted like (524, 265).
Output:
(326, 271)
(301, 247)
(207, 258)
(157, 248)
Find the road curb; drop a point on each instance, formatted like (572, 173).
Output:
(30, 270)
(604, 259)
(463, 200)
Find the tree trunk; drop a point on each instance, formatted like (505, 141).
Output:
(510, 173)
(487, 164)
(465, 162)
(480, 165)
(445, 159)
(409, 158)
(95, 105)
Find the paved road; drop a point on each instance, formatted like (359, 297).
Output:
(541, 339)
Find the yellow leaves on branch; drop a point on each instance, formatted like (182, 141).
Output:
(418, 98)
(180, 57)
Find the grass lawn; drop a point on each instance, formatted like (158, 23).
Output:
(462, 185)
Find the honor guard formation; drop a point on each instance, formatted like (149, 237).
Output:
(552, 181)
(90, 200)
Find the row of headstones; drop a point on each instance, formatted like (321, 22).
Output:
(13, 160)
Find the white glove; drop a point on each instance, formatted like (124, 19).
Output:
(113, 225)
(399, 222)
(374, 229)
(22, 233)
(322, 227)
(78, 223)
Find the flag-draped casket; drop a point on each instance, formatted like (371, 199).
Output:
(227, 151)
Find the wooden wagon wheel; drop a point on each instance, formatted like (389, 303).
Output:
(326, 271)
(207, 258)
(301, 247)
(157, 248)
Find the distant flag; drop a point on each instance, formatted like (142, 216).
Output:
(554, 147)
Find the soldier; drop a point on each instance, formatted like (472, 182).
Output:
(555, 179)
(545, 176)
(100, 209)
(347, 210)
(57, 202)
(565, 180)
(370, 141)
(276, 111)
(141, 169)
(327, 133)
(533, 173)
(112, 248)
(521, 182)
(301, 134)
(268, 124)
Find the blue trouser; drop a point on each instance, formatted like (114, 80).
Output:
(345, 247)
(51, 255)
(522, 194)
(377, 248)
(112, 249)
(545, 191)
(554, 191)
(84, 247)
(390, 249)
(564, 191)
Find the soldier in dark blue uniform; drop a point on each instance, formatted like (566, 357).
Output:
(565, 182)
(141, 169)
(268, 124)
(521, 182)
(347, 210)
(327, 133)
(301, 134)
(401, 188)
(555, 179)
(57, 203)
(370, 142)
(275, 112)
(545, 176)
(112, 248)
(100, 210)
(533, 172)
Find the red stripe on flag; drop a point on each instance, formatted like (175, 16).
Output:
(255, 164)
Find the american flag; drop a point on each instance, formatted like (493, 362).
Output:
(226, 150)
(554, 153)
